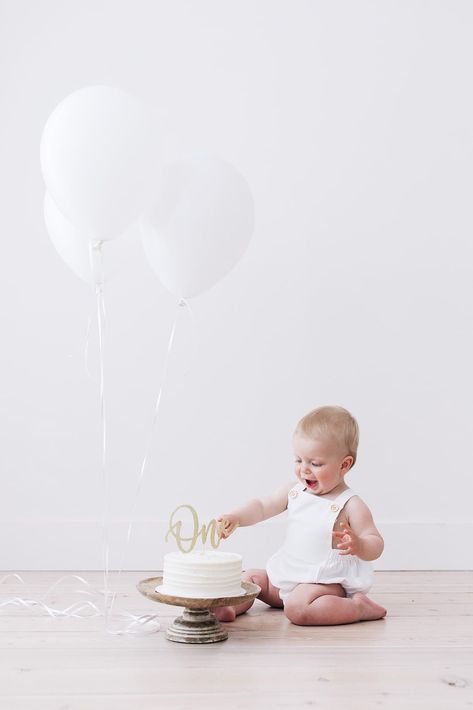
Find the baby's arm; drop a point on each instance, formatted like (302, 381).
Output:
(255, 510)
(360, 536)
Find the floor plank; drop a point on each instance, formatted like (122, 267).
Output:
(419, 656)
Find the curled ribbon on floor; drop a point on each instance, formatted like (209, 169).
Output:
(89, 605)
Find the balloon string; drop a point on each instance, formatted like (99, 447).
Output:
(86, 349)
(151, 433)
(97, 271)
(184, 303)
(101, 331)
(97, 275)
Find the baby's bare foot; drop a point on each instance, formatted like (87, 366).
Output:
(369, 610)
(224, 613)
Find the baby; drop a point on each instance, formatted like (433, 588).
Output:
(323, 570)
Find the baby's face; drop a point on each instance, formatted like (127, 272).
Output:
(319, 464)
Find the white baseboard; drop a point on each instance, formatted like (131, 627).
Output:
(79, 545)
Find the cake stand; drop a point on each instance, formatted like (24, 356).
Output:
(197, 624)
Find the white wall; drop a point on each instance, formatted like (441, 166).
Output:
(353, 123)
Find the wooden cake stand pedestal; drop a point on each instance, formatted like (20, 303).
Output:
(197, 624)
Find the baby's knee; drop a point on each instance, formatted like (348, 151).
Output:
(257, 576)
(296, 612)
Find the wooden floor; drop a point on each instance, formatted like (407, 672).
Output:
(419, 656)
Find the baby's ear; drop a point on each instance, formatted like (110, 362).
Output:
(347, 463)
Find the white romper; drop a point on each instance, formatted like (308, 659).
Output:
(307, 554)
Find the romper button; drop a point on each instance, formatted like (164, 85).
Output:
(334, 508)
(293, 493)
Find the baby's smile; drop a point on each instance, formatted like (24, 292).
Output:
(310, 483)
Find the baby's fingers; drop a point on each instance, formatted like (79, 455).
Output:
(222, 526)
(338, 533)
(345, 527)
(346, 541)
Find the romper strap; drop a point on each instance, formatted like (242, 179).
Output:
(343, 498)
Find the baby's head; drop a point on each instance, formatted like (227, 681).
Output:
(325, 447)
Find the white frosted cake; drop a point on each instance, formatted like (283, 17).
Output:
(202, 574)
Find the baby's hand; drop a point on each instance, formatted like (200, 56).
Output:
(350, 543)
(226, 525)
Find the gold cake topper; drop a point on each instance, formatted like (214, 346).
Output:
(212, 530)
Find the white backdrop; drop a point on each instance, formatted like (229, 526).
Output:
(352, 122)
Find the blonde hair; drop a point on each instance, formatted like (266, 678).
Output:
(334, 422)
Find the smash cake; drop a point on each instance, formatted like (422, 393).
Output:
(205, 574)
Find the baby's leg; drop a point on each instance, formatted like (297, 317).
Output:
(269, 594)
(326, 604)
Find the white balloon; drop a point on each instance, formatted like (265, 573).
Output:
(80, 254)
(99, 160)
(200, 226)
(68, 241)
